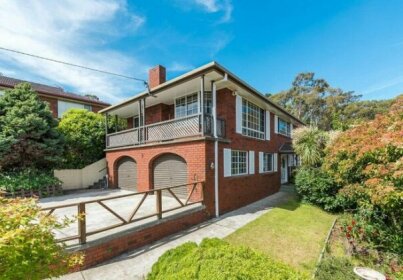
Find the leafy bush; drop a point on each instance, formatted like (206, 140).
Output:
(216, 259)
(28, 179)
(27, 246)
(28, 135)
(335, 268)
(84, 134)
(367, 161)
(317, 187)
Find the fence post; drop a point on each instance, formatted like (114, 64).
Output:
(159, 204)
(82, 231)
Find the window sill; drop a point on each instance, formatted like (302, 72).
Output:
(254, 138)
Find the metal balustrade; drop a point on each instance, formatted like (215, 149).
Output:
(165, 131)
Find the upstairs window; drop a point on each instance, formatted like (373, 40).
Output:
(252, 120)
(284, 127)
(239, 164)
(186, 106)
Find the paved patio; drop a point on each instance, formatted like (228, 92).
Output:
(98, 217)
(137, 263)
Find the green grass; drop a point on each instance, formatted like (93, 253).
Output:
(292, 233)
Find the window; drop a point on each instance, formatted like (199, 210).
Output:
(239, 163)
(2, 92)
(63, 106)
(88, 107)
(208, 103)
(136, 121)
(267, 162)
(284, 127)
(252, 120)
(186, 106)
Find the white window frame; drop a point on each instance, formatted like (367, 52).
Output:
(246, 162)
(136, 117)
(262, 116)
(288, 132)
(264, 161)
(72, 105)
(186, 96)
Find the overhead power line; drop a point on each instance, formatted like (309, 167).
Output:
(75, 65)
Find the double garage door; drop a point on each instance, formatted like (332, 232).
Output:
(168, 170)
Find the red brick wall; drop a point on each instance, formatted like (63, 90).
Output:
(192, 152)
(158, 113)
(52, 104)
(96, 108)
(114, 247)
(237, 191)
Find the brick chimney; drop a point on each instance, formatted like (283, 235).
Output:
(156, 76)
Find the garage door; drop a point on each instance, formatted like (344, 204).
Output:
(127, 174)
(170, 170)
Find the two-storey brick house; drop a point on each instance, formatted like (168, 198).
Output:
(206, 125)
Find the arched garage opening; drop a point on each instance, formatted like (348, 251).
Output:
(126, 170)
(170, 170)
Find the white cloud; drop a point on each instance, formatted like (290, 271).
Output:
(72, 31)
(384, 85)
(179, 67)
(214, 6)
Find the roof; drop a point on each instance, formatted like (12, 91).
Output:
(49, 90)
(286, 148)
(195, 72)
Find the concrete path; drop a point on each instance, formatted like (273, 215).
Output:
(136, 264)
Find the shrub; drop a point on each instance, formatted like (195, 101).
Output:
(317, 187)
(367, 161)
(216, 259)
(27, 246)
(28, 135)
(84, 134)
(335, 268)
(28, 179)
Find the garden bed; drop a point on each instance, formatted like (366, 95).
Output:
(344, 252)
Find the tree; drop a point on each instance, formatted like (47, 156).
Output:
(28, 249)
(28, 135)
(84, 134)
(315, 102)
(309, 144)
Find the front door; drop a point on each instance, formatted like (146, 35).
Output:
(284, 169)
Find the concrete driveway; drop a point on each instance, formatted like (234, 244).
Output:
(136, 264)
(98, 217)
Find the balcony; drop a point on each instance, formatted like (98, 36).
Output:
(189, 126)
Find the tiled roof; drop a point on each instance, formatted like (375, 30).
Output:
(49, 90)
(286, 148)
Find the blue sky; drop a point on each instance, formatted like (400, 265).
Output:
(355, 45)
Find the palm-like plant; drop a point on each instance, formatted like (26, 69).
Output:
(309, 143)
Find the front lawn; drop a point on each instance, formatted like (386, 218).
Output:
(293, 233)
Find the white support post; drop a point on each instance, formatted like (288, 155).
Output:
(202, 103)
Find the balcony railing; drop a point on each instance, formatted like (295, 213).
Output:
(164, 131)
